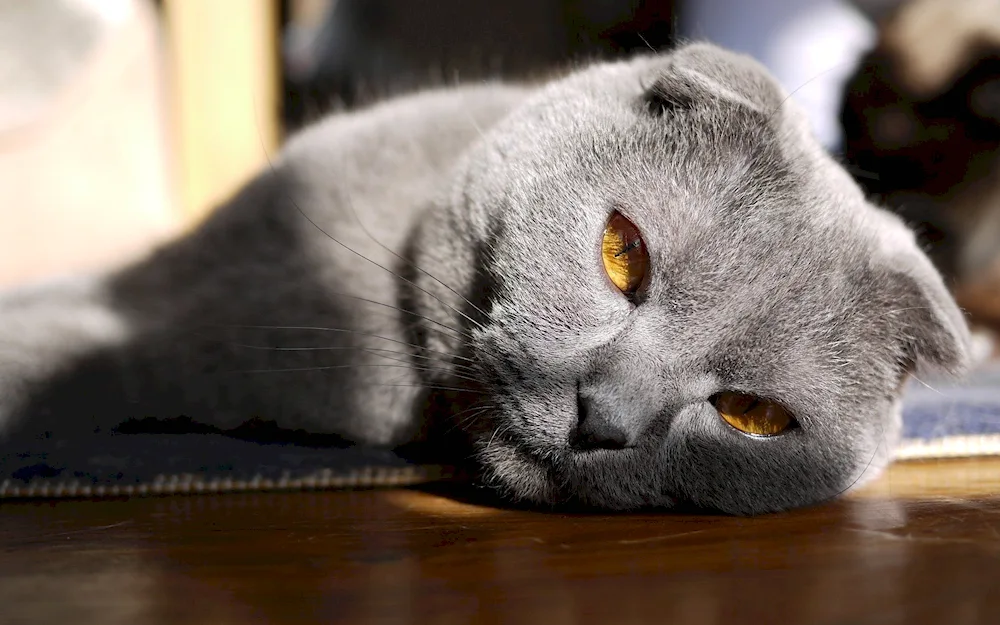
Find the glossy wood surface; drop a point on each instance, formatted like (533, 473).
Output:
(920, 546)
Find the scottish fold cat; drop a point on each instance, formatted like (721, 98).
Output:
(638, 285)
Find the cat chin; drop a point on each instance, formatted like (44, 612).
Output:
(875, 463)
(591, 479)
(516, 474)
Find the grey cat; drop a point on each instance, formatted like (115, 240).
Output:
(434, 264)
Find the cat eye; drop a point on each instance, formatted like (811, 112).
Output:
(752, 415)
(624, 254)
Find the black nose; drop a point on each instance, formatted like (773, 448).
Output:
(597, 428)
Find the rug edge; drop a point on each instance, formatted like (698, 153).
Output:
(958, 446)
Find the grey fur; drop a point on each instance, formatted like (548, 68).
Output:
(770, 274)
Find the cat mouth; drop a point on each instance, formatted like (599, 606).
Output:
(588, 478)
(510, 469)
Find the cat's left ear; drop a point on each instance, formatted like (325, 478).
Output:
(934, 329)
(935, 333)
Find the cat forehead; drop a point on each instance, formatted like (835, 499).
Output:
(695, 146)
(699, 97)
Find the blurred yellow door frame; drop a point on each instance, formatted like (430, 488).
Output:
(224, 70)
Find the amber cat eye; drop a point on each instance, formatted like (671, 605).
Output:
(624, 254)
(752, 415)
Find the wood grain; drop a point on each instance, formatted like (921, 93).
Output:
(891, 555)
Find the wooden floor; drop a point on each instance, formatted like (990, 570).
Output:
(921, 546)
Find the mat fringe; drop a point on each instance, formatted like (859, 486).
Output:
(187, 483)
(386, 477)
(949, 447)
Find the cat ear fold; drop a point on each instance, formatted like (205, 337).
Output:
(924, 315)
(935, 334)
(724, 74)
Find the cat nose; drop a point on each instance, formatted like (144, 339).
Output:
(598, 427)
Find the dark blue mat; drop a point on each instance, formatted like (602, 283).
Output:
(124, 464)
(940, 419)
(953, 418)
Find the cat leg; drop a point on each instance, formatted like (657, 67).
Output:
(46, 327)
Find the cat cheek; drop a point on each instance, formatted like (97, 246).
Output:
(513, 472)
(877, 447)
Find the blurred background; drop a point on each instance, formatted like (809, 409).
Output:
(123, 122)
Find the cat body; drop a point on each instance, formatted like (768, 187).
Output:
(436, 259)
(186, 315)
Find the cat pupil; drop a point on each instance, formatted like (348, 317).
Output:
(631, 246)
(753, 415)
(624, 256)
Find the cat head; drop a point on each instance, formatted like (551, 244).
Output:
(921, 119)
(757, 279)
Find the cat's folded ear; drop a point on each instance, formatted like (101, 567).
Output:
(935, 333)
(722, 74)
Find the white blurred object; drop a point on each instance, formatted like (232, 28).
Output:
(811, 46)
(83, 138)
(983, 346)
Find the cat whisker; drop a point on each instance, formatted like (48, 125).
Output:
(376, 351)
(383, 267)
(857, 172)
(472, 407)
(432, 387)
(899, 310)
(834, 67)
(881, 441)
(417, 267)
(472, 417)
(294, 204)
(371, 350)
(474, 123)
(645, 41)
(350, 331)
(926, 384)
(495, 432)
(466, 369)
(357, 366)
(476, 410)
(470, 370)
(405, 312)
